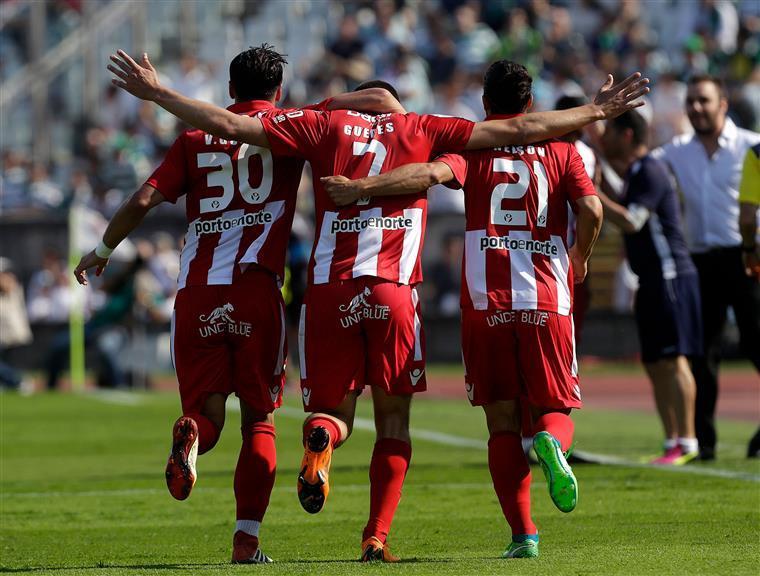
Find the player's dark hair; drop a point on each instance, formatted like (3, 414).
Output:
(636, 123)
(507, 87)
(719, 84)
(378, 84)
(567, 102)
(256, 73)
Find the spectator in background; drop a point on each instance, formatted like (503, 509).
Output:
(749, 204)
(667, 305)
(49, 293)
(44, 193)
(119, 287)
(347, 53)
(668, 116)
(14, 326)
(707, 165)
(475, 41)
(446, 275)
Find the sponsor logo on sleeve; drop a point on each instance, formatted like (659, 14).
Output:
(470, 389)
(306, 395)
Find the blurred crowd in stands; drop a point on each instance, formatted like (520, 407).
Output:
(434, 51)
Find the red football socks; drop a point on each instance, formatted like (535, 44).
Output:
(390, 461)
(510, 472)
(208, 433)
(255, 471)
(559, 425)
(326, 423)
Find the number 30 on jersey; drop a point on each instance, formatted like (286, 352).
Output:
(223, 178)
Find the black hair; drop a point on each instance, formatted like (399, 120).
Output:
(719, 84)
(256, 73)
(507, 87)
(378, 84)
(566, 102)
(636, 123)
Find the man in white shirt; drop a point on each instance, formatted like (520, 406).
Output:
(707, 165)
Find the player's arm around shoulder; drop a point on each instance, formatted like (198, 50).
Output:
(407, 179)
(372, 100)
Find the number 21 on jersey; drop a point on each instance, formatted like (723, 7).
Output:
(517, 190)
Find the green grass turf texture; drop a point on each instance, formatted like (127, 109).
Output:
(83, 493)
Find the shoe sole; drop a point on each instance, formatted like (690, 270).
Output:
(312, 482)
(180, 469)
(563, 487)
(310, 495)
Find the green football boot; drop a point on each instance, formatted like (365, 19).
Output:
(528, 548)
(563, 487)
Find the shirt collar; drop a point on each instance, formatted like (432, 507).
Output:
(250, 106)
(728, 134)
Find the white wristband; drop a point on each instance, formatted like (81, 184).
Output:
(103, 251)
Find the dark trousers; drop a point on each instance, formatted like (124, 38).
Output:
(723, 283)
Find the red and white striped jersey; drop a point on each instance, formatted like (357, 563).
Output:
(516, 254)
(240, 202)
(380, 236)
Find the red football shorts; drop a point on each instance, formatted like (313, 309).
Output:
(230, 338)
(511, 354)
(356, 332)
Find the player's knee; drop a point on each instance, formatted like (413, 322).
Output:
(503, 417)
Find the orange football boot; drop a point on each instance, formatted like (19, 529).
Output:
(375, 551)
(313, 484)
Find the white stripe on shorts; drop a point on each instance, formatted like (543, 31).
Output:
(302, 341)
(281, 355)
(417, 327)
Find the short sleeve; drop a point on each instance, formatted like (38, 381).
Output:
(446, 133)
(296, 133)
(458, 166)
(577, 181)
(749, 188)
(170, 178)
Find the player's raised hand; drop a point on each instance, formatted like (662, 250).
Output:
(341, 190)
(90, 260)
(139, 79)
(614, 99)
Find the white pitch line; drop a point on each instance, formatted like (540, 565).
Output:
(367, 425)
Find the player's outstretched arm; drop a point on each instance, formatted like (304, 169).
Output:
(127, 218)
(141, 80)
(376, 100)
(611, 101)
(587, 227)
(407, 179)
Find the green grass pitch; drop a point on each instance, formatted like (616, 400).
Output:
(83, 493)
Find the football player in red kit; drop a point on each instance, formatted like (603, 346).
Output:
(361, 322)
(228, 328)
(517, 292)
